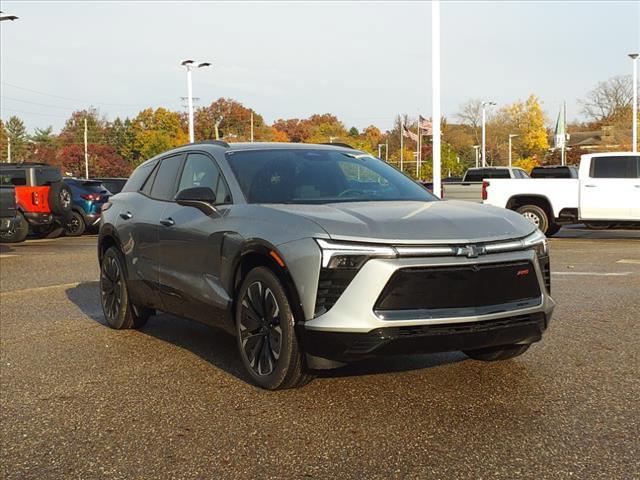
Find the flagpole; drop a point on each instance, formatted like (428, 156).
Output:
(401, 142)
(435, 95)
(564, 134)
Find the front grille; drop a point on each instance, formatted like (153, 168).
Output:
(331, 284)
(461, 290)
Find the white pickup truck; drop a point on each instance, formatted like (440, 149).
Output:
(605, 194)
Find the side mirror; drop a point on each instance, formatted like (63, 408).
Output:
(201, 198)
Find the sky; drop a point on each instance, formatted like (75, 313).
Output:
(363, 61)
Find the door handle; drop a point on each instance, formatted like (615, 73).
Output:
(168, 222)
(126, 215)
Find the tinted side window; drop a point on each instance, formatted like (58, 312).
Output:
(138, 177)
(13, 177)
(474, 176)
(45, 176)
(200, 171)
(497, 173)
(164, 185)
(614, 167)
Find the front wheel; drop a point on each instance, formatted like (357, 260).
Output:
(75, 227)
(119, 312)
(493, 354)
(266, 336)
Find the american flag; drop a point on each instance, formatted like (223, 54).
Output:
(408, 133)
(425, 125)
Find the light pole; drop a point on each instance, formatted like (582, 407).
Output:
(476, 148)
(511, 136)
(331, 139)
(190, 64)
(634, 133)
(484, 131)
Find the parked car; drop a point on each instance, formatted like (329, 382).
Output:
(87, 196)
(555, 171)
(470, 188)
(113, 184)
(9, 219)
(605, 194)
(43, 200)
(315, 256)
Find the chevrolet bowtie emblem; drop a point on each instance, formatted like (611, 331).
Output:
(471, 251)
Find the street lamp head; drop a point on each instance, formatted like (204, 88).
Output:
(488, 103)
(187, 62)
(634, 55)
(204, 64)
(7, 17)
(513, 135)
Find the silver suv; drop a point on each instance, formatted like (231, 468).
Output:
(318, 255)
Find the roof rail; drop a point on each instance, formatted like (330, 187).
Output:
(211, 142)
(338, 144)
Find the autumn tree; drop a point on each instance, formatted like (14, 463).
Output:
(3, 142)
(609, 101)
(103, 161)
(155, 131)
(470, 114)
(73, 130)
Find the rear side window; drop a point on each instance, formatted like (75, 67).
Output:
(164, 185)
(614, 167)
(13, 177)
(474, 176)
(138, 177)
(498, 173)
(46, 176)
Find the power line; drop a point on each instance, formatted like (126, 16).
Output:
(69, 98)
(33, 113)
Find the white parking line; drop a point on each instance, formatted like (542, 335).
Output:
(632, 261)
(595, 274)
(39, 289)
(7, 255)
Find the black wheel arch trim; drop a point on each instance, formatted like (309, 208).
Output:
(235, 250)
(513, 201)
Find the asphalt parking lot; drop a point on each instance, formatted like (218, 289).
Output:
(79, 400)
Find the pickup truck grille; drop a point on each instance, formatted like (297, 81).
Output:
(458, 291)
(545, 266)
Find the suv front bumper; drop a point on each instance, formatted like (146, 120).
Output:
(352, 329)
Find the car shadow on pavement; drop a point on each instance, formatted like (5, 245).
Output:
(4, 249)
(218, 347)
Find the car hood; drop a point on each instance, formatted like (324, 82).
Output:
(414, 222)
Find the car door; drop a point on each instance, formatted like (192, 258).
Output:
(608, 191)
(190, 246)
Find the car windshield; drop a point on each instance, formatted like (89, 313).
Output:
(314, 176)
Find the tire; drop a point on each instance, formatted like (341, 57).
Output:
(18, 233)
(552, 230)
(53, 230)
(535, 215)
(118, 310)
(76, 225)
(493, 354)
(60, 201)
(266, 335)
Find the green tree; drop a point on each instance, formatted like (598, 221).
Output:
(73, 131)
(3, 142)
(43, 136)
(120, 136)
(17, 134)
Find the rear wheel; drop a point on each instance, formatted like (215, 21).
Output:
(16, 234)
(538, 217)
(266, 336)
(502, 352)
(75, 226)
(118, 310)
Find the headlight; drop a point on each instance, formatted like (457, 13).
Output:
(537, 242)
(351, 255)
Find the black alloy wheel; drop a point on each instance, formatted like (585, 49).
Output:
(112, 289)
(118, 310)
(260, 330)
(266, 334)
(75, 226)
